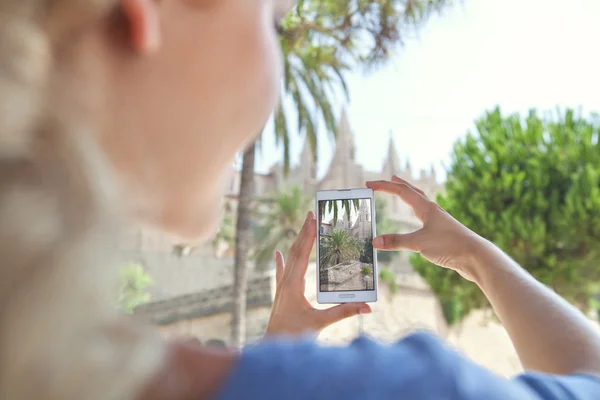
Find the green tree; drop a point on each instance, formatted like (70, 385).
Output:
(530, 185)
(321, 40)
(366, 254)
(338, 247)
(134, 287)
(280, 218)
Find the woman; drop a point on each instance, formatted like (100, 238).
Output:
(135, 108)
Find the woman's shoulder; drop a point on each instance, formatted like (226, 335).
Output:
(419, 366)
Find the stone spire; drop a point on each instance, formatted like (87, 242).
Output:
(408, 169)
(391, 165)
(307, 161)
(343, 167)
(345, 145)
(364, 211)
(432, 174)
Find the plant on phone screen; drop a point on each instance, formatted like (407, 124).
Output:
(366, 256)
(338, 247)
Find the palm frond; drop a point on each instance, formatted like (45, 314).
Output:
(279, 221)
(346, 206)
(322, 40)
(335, 213)
(282, 135)
(338, 247)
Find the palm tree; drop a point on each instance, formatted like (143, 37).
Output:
(321, 40)
(226, 233)
(334, 206)
(242, 247)
(280, 219)
(338, 247)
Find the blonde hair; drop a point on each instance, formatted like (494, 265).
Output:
(60, 337)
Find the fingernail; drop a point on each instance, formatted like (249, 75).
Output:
(364, 311)
(378, 242)
(311, 215)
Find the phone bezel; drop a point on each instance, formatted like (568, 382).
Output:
(347, 296)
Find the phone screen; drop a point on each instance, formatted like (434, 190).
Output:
(345, 238)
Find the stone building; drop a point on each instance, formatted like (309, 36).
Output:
(345, 172)
(363, 225)
(326, 228)
(358, 226)
(205, 314)
(192, 292)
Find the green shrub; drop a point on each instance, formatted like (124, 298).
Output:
(530, 185)
(134, 287)
(366, 255)
(387, 276)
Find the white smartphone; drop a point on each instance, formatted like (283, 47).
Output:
(346, 259)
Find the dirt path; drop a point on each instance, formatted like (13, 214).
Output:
(347, 277)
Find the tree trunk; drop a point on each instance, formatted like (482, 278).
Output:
(242, 247)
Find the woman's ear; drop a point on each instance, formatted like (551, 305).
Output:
(144, 27)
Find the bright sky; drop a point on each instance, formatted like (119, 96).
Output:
(517, 54)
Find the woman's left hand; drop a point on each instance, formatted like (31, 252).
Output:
(292, 314)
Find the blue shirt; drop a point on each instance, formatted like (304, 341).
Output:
(419, 367)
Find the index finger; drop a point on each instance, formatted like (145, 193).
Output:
(411, 197)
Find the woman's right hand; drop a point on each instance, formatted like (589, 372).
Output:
(442, 239)
(549, 334)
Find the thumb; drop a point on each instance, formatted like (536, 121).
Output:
(398, 241)
(343, 311)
